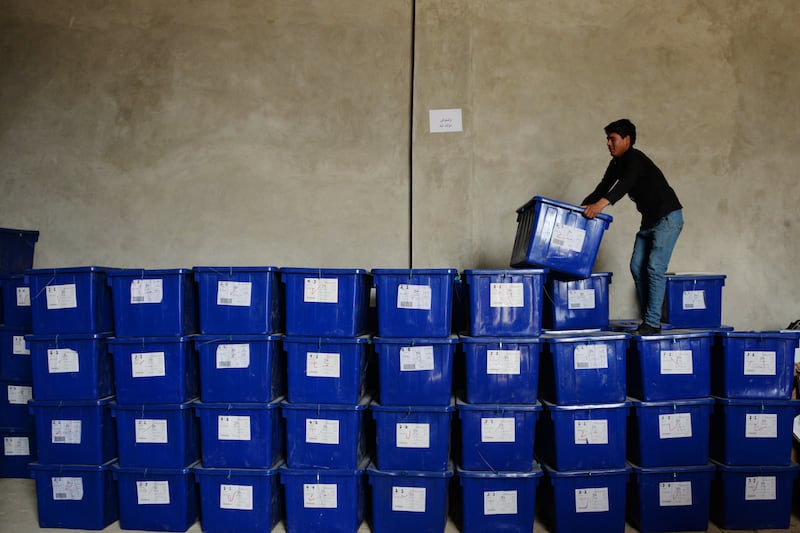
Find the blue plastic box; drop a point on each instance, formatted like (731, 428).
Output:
(16, 250)
(15, 355)
(156, 499)
(582, 437)
(753, 365)
(557, 236)
(326, 369)
(415, 371)
(577, 303)
(14, 399)
(324, 302)
(239, 300)
(240, 435)
(154, 303)
(670, 366)
(501, 369)
(583, 368)
(409, 500)
(70, 300)
(157, 435)
(670, 499)
(669, 433)
(17, 449)
(74, 431)
(496, 501)
(75, 496)
(241, 368)
(154, 370)
(415, 302)
(71, 367)
(505, 302)
(694, 300)
(497, 437)
(331, 500)
(15, 308)
(584, 500)
(753, 497)
(753, 432)
(325, 435)
(239, 500)
(412, 437)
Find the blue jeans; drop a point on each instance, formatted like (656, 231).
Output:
(651, 253)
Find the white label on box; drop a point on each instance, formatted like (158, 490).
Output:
(590, 356)
(151, 431)
(19, 394)
(580, 299)
(503, 362)
(416, 358)
(62, 361)
(230, 427)
(323, 365)
(568, 237)
(152, 492)
(760, 363)
(761, 426)
(148, 365)
(591, 431)
(321, 291)
(675, 494)
(233, 356)
(498, 430)
(239, 497)
(591, 500)
(320, 431)
(408, 499)
(61, 296)
(16, 446)
(320, 496)
(65, 431)
(234, 293)
(499, 502)
(413, 435)
(19, 346)
(675, 426)
(694, 300)
(414, 297)
(797, 355)
(506, 295)
(147, 291)
(23, 296)
(676, 362)
(67, 488)
(760, 488)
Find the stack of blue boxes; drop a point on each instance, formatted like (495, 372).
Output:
(415, 350)
(752, 429)
(156, 378)
(326, 432)
(242, 381)
(73, 391)
(17, 447)
(498, 408)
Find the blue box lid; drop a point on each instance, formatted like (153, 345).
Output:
(155, 471)
(691, 276)
(361, 339)
(26, 233)
(584, 407)
(759, 468)
(493, 408)
(68, 336)
(416, 341)
(415, 271)
(757, 334)
(319, 407)
(710, 467)
(151, 340)
(500, 340)
(237, 338)
(274, 404)
(286, 471)
(68, 270)
(587, 473)
(234, 269)
(372, 470)
(576, 208)
(508, 272)
(554, 337)
(670, 403)
(49, 467)
(758, 402)
(142, 272)
(225, 472)
(534, 472)
(375, 406)
(108, 400)
(323, 271)
(142, 407)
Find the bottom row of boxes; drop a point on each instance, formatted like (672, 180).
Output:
(245, 500)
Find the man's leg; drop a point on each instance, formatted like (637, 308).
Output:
(641, 247)
(665, 235)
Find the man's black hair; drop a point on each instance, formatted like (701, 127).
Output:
(624, 128)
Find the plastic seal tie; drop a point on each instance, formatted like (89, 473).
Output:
(478, 451)
(229, 475)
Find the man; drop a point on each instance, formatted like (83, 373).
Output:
(631, 172)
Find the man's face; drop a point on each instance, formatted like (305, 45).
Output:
(617, 145)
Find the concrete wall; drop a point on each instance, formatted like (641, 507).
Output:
(174, 134)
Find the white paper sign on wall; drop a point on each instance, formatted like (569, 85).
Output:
(445, 120)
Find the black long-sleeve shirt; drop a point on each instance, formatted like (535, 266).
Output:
(636, 175)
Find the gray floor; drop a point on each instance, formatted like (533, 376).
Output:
(18, 514)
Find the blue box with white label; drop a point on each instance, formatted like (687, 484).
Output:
(694, 300)
(505, 302)
(501, 369)
(15, 302)
(326, 369)
(415, 371)
(15, 355)
(495, 501)
(752, 364)
(577, 303)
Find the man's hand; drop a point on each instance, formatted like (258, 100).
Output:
(592, 210)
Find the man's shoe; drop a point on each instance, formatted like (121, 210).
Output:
(647, 329)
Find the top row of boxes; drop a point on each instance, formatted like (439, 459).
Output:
(398, 303)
